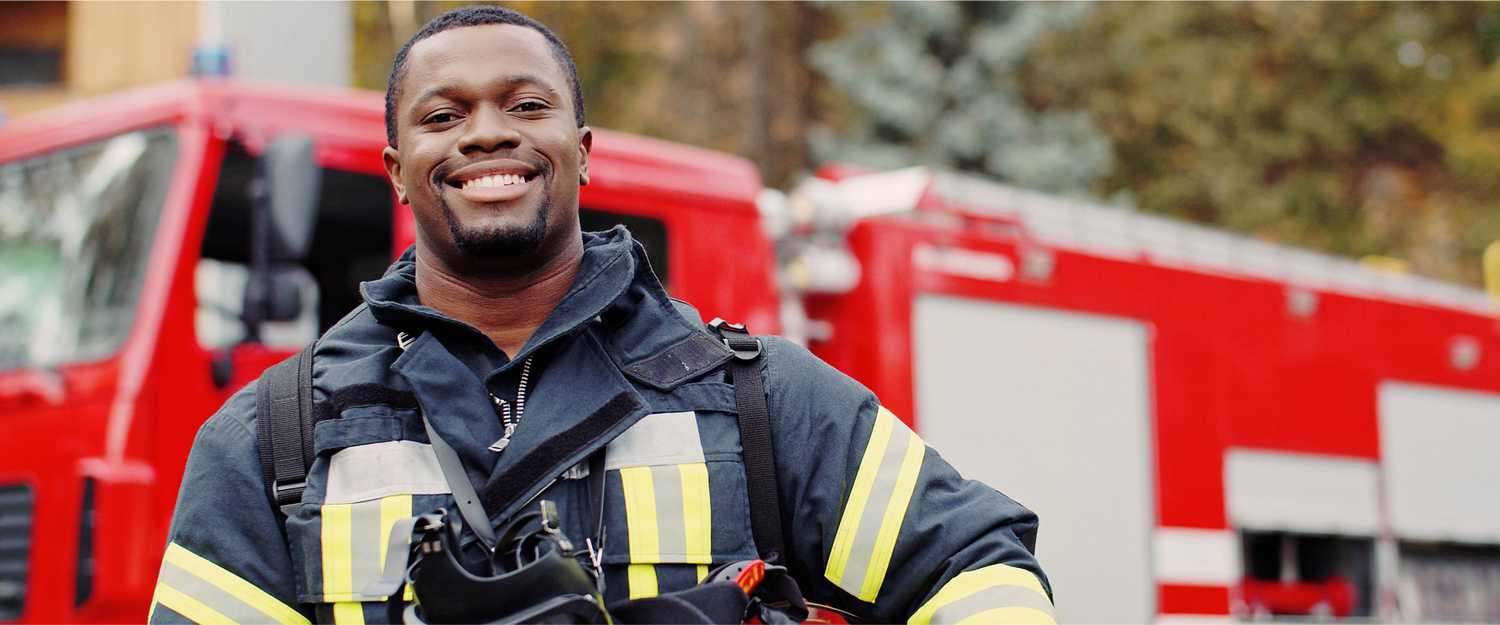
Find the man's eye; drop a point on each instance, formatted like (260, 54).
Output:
(531, 106)
(439, 118)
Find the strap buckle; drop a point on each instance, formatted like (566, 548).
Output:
(744, 346)
(287, 490)
(288, 495)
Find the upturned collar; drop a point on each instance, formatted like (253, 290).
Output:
(607, 270)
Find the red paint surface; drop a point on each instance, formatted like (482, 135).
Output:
(1184, 599)
(1337, 596)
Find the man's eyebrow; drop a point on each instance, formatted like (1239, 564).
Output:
(512, 81)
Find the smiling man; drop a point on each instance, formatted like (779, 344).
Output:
(508, 357)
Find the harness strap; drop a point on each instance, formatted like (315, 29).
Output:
(463, 490)
(283, 423)
(755, 439)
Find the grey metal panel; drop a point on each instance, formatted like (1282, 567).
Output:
(1053, 409)
(1439, 462)
(1301, 492)
(303, 42)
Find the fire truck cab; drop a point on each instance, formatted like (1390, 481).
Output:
(153, 264)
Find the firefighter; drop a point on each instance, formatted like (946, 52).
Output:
(530, 348)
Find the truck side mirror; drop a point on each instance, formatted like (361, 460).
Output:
(284, 211)
(285, 301)
(292, 178)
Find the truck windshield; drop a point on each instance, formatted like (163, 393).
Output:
(75, 232)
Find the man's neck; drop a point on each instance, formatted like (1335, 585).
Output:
(507, 307)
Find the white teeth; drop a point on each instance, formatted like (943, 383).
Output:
(497, 180)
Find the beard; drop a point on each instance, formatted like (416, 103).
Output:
(499, 242)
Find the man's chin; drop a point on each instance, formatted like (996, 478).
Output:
(496, 233)
(499, 243)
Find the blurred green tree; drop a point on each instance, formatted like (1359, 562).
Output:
(934, 83)
(1355, 128)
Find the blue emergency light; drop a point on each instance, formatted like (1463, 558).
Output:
(211, 60)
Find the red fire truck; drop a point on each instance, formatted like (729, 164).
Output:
(1210, 427)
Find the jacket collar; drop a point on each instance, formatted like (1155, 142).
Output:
(608, 268)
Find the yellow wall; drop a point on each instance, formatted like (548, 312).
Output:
(106, 46)
(112, 45)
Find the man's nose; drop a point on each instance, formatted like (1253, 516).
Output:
(488, 129)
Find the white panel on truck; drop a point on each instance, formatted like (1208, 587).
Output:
(1440, 455)
(1307, 493)
(1052, 408)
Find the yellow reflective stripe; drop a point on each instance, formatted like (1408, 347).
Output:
(248, 593)
(640, 514)
(640, 521)
(895, 514)
(642, 580)
(859, 495)
(702, 572)
(338, 553)
(697, 513)
(190, 608)
(349, 612)
(1010, 616)
(968, 583)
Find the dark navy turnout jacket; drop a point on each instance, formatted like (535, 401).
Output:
(875, 522)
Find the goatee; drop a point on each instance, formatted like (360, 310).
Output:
(500, 241)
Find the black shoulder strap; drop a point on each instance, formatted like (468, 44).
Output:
(755, 439)
(283, 427)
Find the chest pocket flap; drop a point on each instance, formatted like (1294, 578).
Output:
(680, 504)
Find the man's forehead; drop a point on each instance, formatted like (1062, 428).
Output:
(495, 47)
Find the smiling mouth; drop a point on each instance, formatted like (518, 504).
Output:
(492, 181)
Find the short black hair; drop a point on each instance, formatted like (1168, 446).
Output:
(479, 15)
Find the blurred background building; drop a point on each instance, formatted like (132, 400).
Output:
(51, 52)
(1366, 130)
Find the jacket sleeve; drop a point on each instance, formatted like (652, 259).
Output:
(877, 523)
(226, 559)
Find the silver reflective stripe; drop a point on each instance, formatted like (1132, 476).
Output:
(211, 596)
(991, 598)
(661, 438)
(364, 545)
(998, 592)
(870, 522)
(366, 472)
(876, 507)
(671, 530)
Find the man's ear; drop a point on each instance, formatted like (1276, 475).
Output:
(585, 144)
(392, 160)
